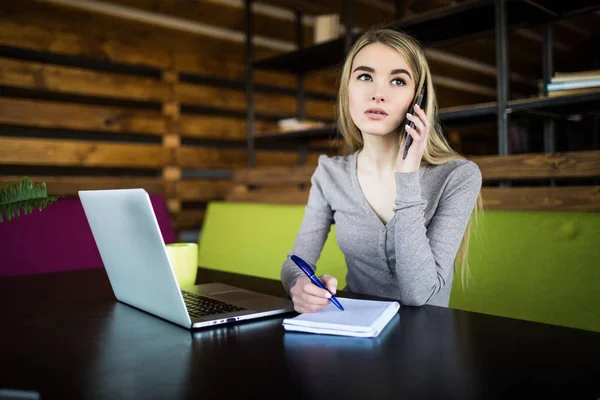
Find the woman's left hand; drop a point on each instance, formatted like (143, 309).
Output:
(420, 135)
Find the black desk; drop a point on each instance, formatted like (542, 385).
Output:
(65, 336)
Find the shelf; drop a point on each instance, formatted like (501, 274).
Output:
(461, 115)
(439, 27)
(307, 59)
(468, 114)
(565, 105)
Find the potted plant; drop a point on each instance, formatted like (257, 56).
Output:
(25, 196)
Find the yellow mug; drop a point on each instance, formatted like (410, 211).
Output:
(184, 261)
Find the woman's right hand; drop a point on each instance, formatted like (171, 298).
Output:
(308, 297)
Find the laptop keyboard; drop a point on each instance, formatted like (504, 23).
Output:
(200, 306)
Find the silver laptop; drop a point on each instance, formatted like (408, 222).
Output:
(135, 257)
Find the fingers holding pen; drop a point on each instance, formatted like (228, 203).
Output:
(307, 297)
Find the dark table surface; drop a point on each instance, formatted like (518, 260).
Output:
(65, 336)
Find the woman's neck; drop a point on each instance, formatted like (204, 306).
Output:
(378, 155)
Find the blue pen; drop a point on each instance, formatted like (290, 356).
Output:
(311, 275)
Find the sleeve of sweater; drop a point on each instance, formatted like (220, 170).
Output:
(425, 256)
(313, 231)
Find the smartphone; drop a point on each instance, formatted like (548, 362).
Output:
(409, 138)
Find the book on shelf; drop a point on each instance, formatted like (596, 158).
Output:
(572, 92)
(575, 84)
(575, 76)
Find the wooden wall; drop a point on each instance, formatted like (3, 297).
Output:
(89, 101)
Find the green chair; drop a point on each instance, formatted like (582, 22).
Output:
(255, 239)
(535, 265)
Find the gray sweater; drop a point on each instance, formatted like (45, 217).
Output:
(410, 259)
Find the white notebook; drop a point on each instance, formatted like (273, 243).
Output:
(360, 318)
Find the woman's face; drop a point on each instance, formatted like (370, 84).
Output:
(381, 89)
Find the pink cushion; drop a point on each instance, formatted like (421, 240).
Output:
(59, 239)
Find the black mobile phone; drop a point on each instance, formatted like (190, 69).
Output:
(409, 138)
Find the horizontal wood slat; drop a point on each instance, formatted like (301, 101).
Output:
(20, 151)
(578, 164)
(48, 114)
(202, 190)
(70, 80)
(241, 193)
(269, 103)
(206, 126)
(70, 185)
(274, 176)
(45, 114)
(571, 198)
(201, 157)
(188, 219)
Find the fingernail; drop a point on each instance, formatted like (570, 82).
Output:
(416, 105)
(409, 114)
(328, 295)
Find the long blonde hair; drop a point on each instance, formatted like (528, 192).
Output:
(437, 150)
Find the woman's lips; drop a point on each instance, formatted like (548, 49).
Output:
(375, 114)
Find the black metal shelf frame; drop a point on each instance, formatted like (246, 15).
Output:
(472, 19)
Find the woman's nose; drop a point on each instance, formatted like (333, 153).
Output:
(378, 98)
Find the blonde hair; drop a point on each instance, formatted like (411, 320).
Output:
(437, 150)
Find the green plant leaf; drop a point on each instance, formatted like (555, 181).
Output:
(24, 196)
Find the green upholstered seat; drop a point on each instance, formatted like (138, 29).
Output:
(535, 265)
(538, 266)
(255, 239)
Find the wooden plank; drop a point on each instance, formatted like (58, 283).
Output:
(202, 157)
(230, 99)
(188, 219)
(26, 151)
(274, 176)
(171, 110)
(39, 76)
(241, 193)
(45, 37)
(202, 189)
(569, 198)
(46, 114)
(580, 164)
(208, 126)
(69, 185)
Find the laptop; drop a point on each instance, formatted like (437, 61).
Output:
(130, 243)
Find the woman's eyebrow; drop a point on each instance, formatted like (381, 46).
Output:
(394, 71)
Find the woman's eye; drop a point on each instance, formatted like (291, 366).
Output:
(364, 77)
(399, 82)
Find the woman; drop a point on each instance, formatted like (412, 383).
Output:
(399, 221)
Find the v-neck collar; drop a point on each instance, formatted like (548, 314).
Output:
(360, 195)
